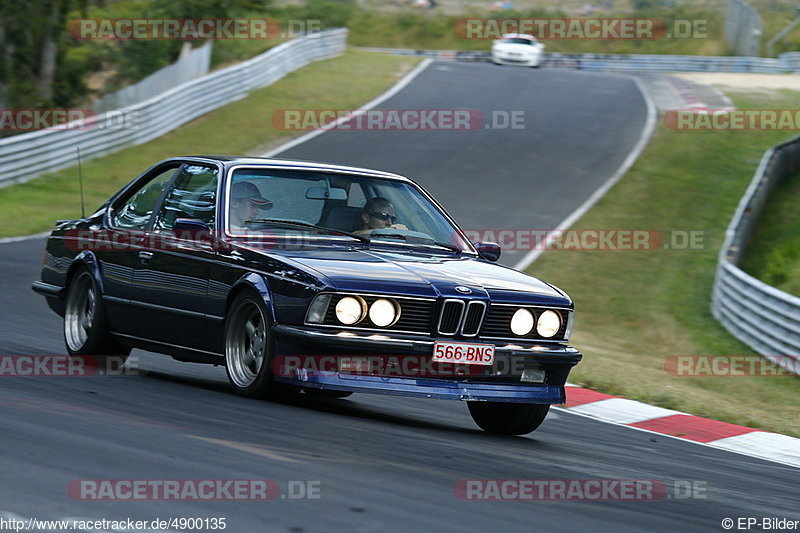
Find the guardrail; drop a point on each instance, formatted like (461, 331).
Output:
(785, 63)
(761, 316)
(28, 155)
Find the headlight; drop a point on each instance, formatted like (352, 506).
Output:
(383, 313)
(350, 310)
(522, 322)
(548, 324)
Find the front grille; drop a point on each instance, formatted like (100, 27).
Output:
(472, 322)
(498, 322)
(461, 317)
(415, 315)
(450, 318)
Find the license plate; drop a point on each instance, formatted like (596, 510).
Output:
(463, 354)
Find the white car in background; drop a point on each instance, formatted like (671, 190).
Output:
(517, 49)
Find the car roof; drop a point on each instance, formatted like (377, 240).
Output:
(297, 164)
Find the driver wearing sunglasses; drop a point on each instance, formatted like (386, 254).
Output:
(378, 214)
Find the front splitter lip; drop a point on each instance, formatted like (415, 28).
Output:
(432, 388)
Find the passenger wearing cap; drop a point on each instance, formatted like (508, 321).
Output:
(246, 202)
(378, 214)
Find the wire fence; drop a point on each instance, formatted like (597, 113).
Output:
(190, 65)
(743, 28)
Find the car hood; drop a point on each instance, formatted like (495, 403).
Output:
(419, 274)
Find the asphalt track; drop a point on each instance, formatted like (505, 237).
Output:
(383, 463)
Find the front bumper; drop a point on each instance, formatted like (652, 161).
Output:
(501, 382)
(529, 61)
(48, 290)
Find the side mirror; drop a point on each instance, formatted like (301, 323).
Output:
(488, 250)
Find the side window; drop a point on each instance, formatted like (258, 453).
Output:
(193, 195)
(136, 211)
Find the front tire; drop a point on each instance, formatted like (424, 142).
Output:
(508, 418)
(250, 348)
(85, 324)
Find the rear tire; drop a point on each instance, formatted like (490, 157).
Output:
(85, 324)
(508, 418)
(250, 348)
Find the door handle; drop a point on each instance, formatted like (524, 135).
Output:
(144, 257)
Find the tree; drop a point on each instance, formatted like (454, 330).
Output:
(37, 71)
(31, 37)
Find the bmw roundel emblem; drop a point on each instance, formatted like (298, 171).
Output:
(464, 290)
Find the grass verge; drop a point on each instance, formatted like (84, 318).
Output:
(243, 127)
(636, 308)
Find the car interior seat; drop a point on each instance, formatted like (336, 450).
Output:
(342, 217)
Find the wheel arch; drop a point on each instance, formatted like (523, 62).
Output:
(255, 282)
(88, 261)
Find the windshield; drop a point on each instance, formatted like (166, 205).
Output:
(516, 40)
(286, 202)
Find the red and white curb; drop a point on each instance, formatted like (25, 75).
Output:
(740, 439)
(687, 92)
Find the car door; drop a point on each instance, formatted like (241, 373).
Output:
(117, 246)
(170, 280)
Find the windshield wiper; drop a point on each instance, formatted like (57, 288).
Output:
(300, 224)
(424, 242)
(449, 246)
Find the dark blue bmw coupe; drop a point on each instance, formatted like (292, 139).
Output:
(301, 276)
